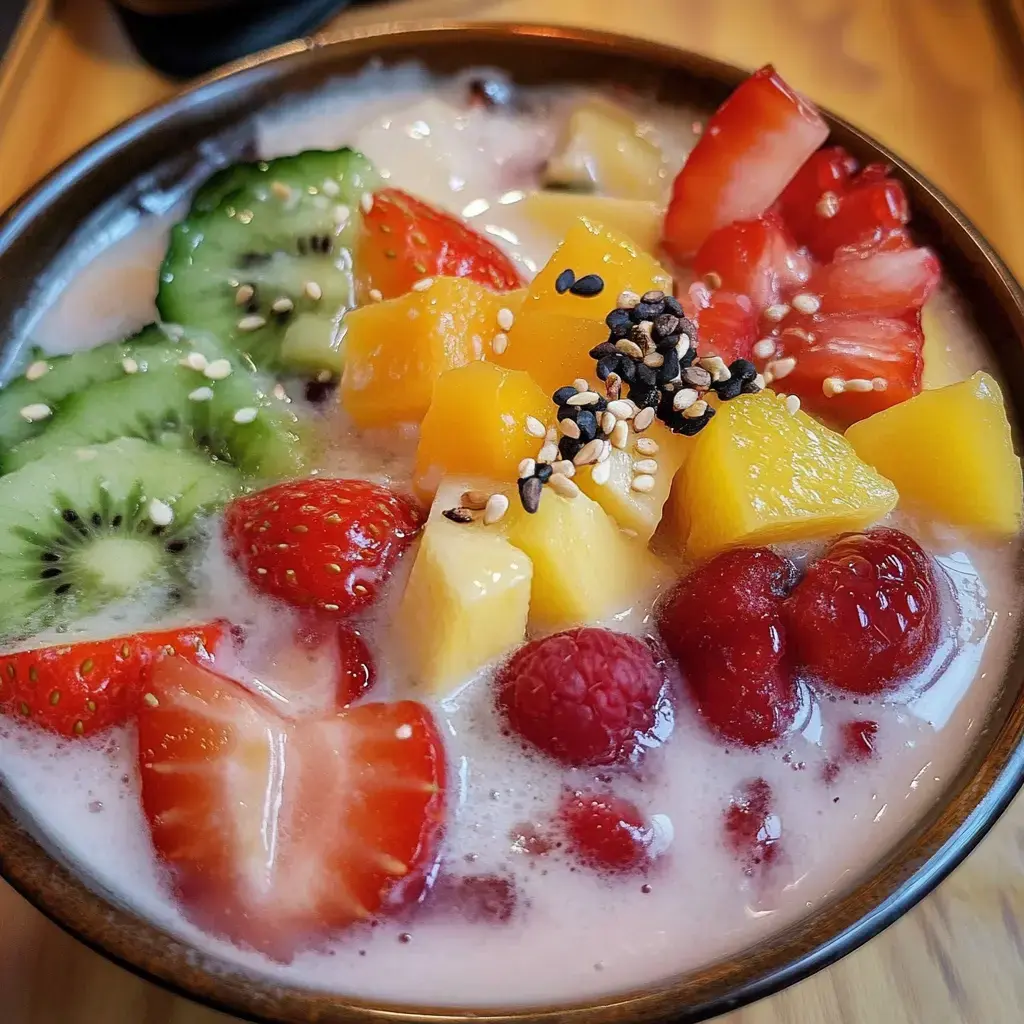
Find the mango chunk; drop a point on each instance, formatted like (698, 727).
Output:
(557, 212)
(465, 604)
(950, 453)
(477, 425)
(396, 350)
(584, 568)
(759, 474)
(639, 511)
(553, 333)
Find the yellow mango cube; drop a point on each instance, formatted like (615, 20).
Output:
(950, 453)
(477, 425)
(557, 212)
(759, 474)
(396, 350)
(584, 567)
(553, 334)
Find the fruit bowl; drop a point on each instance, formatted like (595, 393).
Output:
(159, 148)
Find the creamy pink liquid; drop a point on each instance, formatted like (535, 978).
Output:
(573, 935)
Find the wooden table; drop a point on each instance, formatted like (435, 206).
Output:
(942, 82)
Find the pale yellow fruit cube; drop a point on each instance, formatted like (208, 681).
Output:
(557, 212)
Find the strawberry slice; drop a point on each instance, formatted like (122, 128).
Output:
(278, 833)
(827, 171)
(83, 688)
(748, 153)
(850, 367)
(883, 283)
(726, 326)
(757, 258)
(404, 240)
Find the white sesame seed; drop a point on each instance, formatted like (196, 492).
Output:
(760, 382)
(194, 361)
(534, 427)
(499, 343)
(129, 365)
(606, 451)
(366, 202)
(376, 295)
(245, 415)
(646, 446)
(684, 398)
(643, 419)
(859, 384)
(475, 500)
(649, 466)
(767, 376)
(160, 513)
(627, 300)
(35, 412)
(563, 466)
(330, 188)
(601, 473)
(765, 348)
(805, 302)
(643, 483)
(497, 506)
(696, 410)
(621, 409)
(313, 291)
(782, 367)
(323, 376)
(244, 294)
(151, 700)
(713, 279)
(283, 305)
(551, 434)
(879, 384)
(620, 435)
(613, 386)
(281, 190)
(570, 428)
(506, 318)
(715, 365)
(341, 214)
(173, 331)
(792, 404)
(404, 732)
(280, 392)
(251, 323)
(629, 348)
(831, 386)
(608, 422)
(590, 452)
(580, 384)
(776, 312)
(562, 485)
(583, 398)
(548, 452)
(200, 395)
(38, 369)
(527, 468)
(424, 284)
(654, 360)
(682, 346)
(218, 369)
(828, 205)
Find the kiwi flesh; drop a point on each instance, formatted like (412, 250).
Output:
(84, 528)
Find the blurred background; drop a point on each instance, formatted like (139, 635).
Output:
(939, 81)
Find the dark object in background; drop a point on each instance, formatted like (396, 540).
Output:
(183, 38)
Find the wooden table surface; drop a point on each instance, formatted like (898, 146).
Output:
(942, 82)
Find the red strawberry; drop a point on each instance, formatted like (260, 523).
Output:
(827, 171)
(356, 670)
(884, 283)
(751, 148)
(606, 832)
(278, 833)
(859, 739)
(723, 623)
(584, 696)
(404, 240)
(83, 688)
(726, 326)
(865, 617)
(752, 829)
(319, 543)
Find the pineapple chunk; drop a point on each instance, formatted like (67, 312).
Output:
(940, 347)
(476, 425)
(758, 474)
(553, 334)
(396, 350)
(951, 455)
(636, 510)
(602, 149)
(465, 604)
(584, 567)
(558, 212)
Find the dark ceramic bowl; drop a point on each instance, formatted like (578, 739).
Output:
(160, 144)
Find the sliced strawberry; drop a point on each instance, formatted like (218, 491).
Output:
(726, 326)
(83, 688)
(753, 829)
(404, 240)
(866, 213)
(748, 153)
(826, 172)
(757, 258)
(356, 669)
(847, 368)
(884, 283)
(277, 833)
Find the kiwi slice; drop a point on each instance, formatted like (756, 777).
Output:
(232, 419)
(84, 528)
(267, 246)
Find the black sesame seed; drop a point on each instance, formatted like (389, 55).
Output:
(568, 447)
(606, 348)
(627, 370)
(175, 546)
(458, 515)
(529, 493)
(254, 259)
(728, 389)
(669, 370)
(751, 388)
(646, 397)
(672, 306)
(543, 473)
(646, 375)
(562, 395)
(587, 422)
(654, 295)
(565, 280)
(690, 427)
(743, 368)
(666, 325)
(97, 519)
(607, 365)
(568, 412)
(588, 286)
(618, 322)
(687, 358)
(646, 311)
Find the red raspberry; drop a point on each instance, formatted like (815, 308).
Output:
(606, 832)
(856, 744)
(583, 696)
(752, 829)
(723, 624)
(475, 898)
(866, 615)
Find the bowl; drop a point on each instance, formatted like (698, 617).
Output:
(158, 146)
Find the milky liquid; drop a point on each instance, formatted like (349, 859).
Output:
(574, 935)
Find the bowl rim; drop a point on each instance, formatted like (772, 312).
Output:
(990, 791)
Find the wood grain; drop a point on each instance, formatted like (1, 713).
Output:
(934, 79)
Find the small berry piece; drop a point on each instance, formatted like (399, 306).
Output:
(859, 739)
(356, 669)
(752, 829)
(583, 696)
(866, 615)
(605, 832)
(477, 899)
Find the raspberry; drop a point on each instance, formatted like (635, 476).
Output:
(752, 829)
(475, 898)
(584, 696)
(605, 832)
